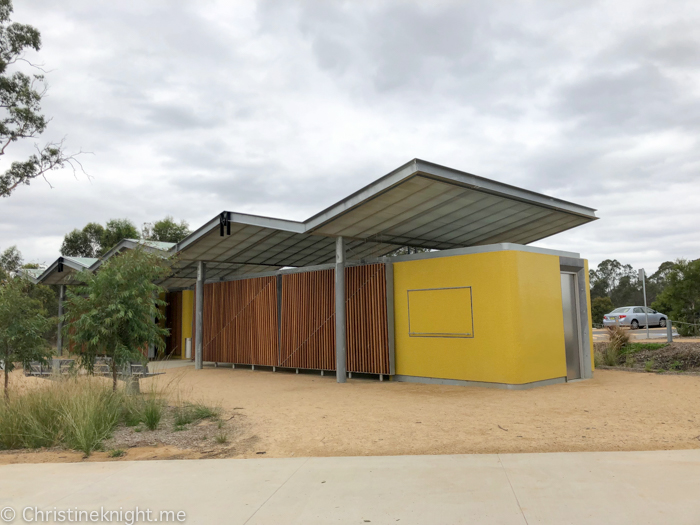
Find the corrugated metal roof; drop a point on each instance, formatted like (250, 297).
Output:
(419, 205)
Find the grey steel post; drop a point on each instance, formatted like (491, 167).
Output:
(642, 276)
(59, 337)
(340, 350)
(669, 331)
(199, 314)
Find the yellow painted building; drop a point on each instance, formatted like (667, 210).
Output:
(493, 317)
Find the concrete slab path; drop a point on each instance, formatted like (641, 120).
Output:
(559, 488)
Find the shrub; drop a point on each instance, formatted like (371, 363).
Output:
(618, 339)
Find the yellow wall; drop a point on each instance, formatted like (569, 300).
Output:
(518, 330)
(187, 312)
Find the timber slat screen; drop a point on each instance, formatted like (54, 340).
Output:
(366, 319)
(173, 317)
(308, 320)
(241, 321)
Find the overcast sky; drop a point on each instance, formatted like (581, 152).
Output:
(283, 108)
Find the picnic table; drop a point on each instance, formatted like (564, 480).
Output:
(130, 374)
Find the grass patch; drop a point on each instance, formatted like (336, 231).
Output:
(221, 438)
(633, 348)
(116, 453)
(190, 412)
(152, 412)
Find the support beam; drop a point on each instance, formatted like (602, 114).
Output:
(199, 314)
(59, 337)
(340, 348)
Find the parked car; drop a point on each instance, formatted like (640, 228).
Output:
(633, 316)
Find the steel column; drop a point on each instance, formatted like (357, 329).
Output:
(340, 345)
(59, 337)
(199, 314)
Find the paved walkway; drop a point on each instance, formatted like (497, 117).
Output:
(565, 488)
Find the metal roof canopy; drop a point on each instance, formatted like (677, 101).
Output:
(420, 204)
(130, 244)
(63, 270)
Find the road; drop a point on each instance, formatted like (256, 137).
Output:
(657, 334)
(525, 489)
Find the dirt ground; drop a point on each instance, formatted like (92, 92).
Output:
(287, 415)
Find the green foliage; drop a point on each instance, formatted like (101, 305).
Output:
(90, 419)
(10, 262)
(618, 338)
(94, 240)
(676, 365)
(20, 102)
(166, 230)
(221, 438)
(633, 348)
(620, 283)
(152, 412)
(79, 414)
(599, 307)
(116, 230)
(116, 453)
(649, 365)
(191, 412)
(23, 324)
(680, 298)
(84, 243)
(112, 312)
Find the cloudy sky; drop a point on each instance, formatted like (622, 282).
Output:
(282, 108)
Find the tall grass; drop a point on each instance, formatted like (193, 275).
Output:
(78, 413)
(618, 338)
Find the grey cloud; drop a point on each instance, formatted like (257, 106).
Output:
(282, 109)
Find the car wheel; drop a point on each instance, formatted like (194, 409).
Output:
(634, 325)
(662, 323)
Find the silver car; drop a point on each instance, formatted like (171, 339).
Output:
(633, 316)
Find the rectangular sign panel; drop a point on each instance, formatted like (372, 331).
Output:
(440, 312)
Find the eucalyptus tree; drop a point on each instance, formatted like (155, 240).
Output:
(114, 312)
(21, 115)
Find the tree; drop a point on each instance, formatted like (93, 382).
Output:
(115, 230)
(599, 307)
(77, 244)
(20, 106)
(607, 277)
(10, 262)
(84, 243)
(95, 240)
(166, 230)
(680, 299)
(23, 324)
(113, 312)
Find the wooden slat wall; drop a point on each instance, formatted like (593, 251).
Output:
(240, 322)
(173, 321)
(366, 319)
(308, 320)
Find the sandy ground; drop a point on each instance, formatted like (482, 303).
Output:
(287, 415)
(308, 415)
